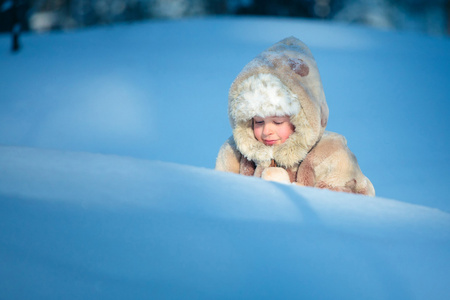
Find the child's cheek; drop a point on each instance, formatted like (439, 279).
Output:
(257, 133)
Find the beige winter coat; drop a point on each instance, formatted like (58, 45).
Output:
(284, 80)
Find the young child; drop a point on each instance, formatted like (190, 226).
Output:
(278, 113)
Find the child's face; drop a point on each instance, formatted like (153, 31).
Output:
(272, 130)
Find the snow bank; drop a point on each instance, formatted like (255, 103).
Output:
(90, 226)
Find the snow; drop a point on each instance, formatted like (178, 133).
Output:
(81, 225)
(109, 139)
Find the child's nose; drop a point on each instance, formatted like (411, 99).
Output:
(267, 130)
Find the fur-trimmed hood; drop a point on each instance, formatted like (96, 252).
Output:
(282, 80)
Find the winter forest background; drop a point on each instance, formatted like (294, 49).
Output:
(429, 16)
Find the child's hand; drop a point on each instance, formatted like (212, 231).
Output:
(276, 174)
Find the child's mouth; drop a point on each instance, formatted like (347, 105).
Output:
(270, 142)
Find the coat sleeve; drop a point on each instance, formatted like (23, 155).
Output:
(228, 159)
(333, 166)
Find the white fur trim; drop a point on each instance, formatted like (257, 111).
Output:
(264, 95)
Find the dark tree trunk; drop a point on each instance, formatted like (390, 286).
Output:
(16, 26)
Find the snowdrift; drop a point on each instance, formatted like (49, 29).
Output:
(90, 226)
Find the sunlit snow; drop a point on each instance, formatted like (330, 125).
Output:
(109, 136)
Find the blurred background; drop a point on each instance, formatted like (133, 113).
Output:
(426, 16)
(119, 77)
